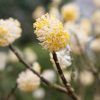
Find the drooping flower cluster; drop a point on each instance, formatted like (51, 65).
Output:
(9, 31)
(50, 33)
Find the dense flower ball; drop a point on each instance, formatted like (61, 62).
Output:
(50, 33)
(70, 12)
(28, 81)
(9, 31)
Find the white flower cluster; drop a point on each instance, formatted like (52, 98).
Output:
(50, 33)
(10, 30)
(28, 81)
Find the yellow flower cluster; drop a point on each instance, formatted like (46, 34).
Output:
(70, 12)
(50, 33)
(9, 31)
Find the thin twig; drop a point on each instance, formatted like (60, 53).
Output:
(12, 92)
(86, 58)
(66, 84)
(46, 82)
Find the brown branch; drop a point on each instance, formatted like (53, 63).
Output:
(11, 92)
(46, 82)
(66, 84)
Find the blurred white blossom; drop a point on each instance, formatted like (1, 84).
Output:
(78, 41)
(86, 78)
(38, 12)
(95, 45)
(55, 11)
(86, 25)
(39, 94)
(70, 12)
(12, 57)
(10, 30)
(29, 55)
(50, 75)
(27, 81)
(36, 66)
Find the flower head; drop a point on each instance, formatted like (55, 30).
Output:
(50, 33)
(28, 81)
(70, 12)
(9, 31)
